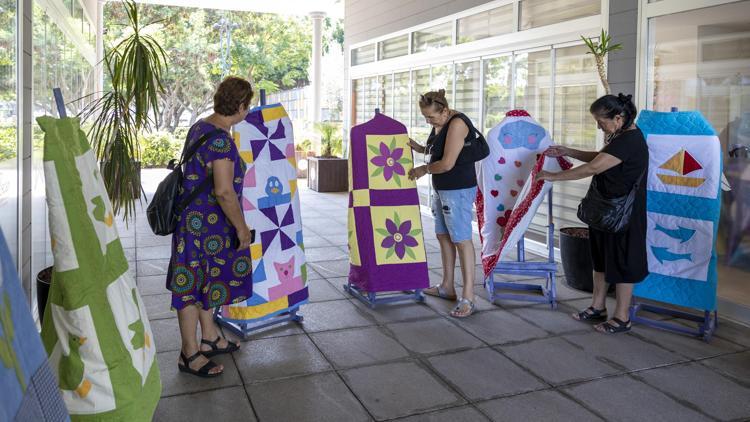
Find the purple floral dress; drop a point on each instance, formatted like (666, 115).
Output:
(205, 268)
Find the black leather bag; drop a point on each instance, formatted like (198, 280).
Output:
(610, 215)
(475, 149)
(164, 208)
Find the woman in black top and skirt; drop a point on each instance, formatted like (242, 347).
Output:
(619, 258)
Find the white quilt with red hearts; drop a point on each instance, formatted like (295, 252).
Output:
(515, 144)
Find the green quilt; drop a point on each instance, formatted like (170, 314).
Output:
(96, 331)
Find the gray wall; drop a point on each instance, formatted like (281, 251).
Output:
(623, 27)
(364, 19)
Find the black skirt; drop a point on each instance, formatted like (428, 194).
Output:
(621, 256)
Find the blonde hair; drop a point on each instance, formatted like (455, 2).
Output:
(434, 98)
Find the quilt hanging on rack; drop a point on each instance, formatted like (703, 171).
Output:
(270, 203)
(30, 391)
(515, 145)
(683, 209)
(386, 243)
(95, 330)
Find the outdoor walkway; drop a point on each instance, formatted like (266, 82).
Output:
(512, 361)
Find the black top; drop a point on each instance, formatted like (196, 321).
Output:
(463, 174)
(631, 148)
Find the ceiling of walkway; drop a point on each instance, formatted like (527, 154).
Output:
(332, 8)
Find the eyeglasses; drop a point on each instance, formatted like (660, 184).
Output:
(432, 100)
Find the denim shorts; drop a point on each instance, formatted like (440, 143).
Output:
(452, 210)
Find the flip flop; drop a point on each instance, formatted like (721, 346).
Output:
(609, 328)
(216, 350)
(459, 308)
(203, 371)
(439, 292)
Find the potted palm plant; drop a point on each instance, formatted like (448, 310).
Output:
(328, 172)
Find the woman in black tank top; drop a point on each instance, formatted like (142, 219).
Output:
(455, 182)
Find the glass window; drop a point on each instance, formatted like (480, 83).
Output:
(486, 24)
(393, 47)
(532, 84)
(358, 100)
(468, 90)
(421, 84)
(536, 13)
(373, 97)
(8, 134)
(401, 110)
(386, 94)
(432, 38)
(497, 90)
(442, 78)
(576, 82)
(363, 55)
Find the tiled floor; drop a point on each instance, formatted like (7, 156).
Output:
(509, 361)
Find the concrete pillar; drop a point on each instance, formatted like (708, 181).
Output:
(317, 56)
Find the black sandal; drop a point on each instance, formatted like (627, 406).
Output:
(203, 372)
(215, 350)
(609, 328)
(592, 315)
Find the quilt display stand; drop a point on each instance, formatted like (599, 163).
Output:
(547, 269)
(269, 311)
(386, 246)
(683, 209)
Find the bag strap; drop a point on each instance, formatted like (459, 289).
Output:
(206, 183)
(192, 149)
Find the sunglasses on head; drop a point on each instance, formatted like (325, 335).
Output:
(433, 100)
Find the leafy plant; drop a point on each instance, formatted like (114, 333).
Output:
(600, 49)
(305, 145)
(157, 148)
(134, 66)
(330, 140)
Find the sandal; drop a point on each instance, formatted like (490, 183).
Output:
(215, 350)
(591, 315)
(609, 328)
(203, 371)
(460, 306)
(439, 292)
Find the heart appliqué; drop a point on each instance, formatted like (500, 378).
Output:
(513, 192)
(501, 160)
(502, 221)
(498, 177)
(494, 193)
(518, 163)
(500, 207)
(520, 183)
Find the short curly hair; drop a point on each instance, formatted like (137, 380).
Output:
(232, 92)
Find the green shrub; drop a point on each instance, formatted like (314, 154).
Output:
(158, 148)
(8, 143)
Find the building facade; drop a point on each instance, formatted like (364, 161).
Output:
(494, 56)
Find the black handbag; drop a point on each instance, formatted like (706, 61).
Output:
(610, 215)
(164, 209)
(475, 149)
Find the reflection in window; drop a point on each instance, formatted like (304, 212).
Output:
(401, 110)
(532, 84)
(373, 96)
(421, 80)
(493, 22)
(432, 38)
(442, 78)
(468, 90)
(8, 135)
(536, 13)
(497, 90)
(393, 47)
(386, 94)
(365, 54)
(576, 82)
(358, 99)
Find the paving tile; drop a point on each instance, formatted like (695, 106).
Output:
(432, 336)
(321, 291)
(174, 382)
(399, 389)
(129, 254)
(150, 239)
(330, 269)
(499, 327)
(159, 306)
(226, 404)
(155, 252)
(457, 414)
(321, 397)
(551, 320)
(395, 312)
(152, 285)
(332, 315)
(564, 292)
(127, 242)
(557, 361)
(484, 374)
(314, 241)
(626, 399)
(625, 352)
(691, 347)
(278, 330)
(537, 406)
(327, 253)
(279, 357)
(359, 346)
(698, 385)
(166, 334)
(338, 239)
(152, 267)
(736, 366)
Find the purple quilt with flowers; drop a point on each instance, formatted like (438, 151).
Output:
(386, 245)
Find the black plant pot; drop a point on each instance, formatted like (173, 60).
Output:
(575, 252)
(43, 281)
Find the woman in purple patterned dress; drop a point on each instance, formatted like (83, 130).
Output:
(210, 263)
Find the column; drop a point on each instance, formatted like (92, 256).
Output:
(317, 55)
